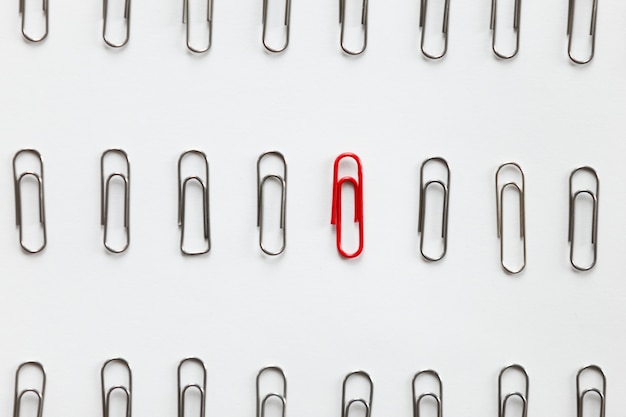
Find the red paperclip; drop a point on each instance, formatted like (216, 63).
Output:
(358, 202)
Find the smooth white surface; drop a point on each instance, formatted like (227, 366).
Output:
(314, 314)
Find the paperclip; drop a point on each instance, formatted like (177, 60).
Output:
(342, 21)
(580, 396)
(261, 403)
(209, 18)
(516, 26)
(283, 200)
(422, 206)
(126, 390)
(17, 186)
(503, 400)
(417, 400)
(182, 193)
(17, 398)
(499, 210)
(105, 8)
(595, 196)
(358, 202)
(104, 198)
(22, 12)
(182, 391)
(592, 31)
(287, 25)
(444, 30)
(345, 407)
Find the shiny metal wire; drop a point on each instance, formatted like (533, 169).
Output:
(438, 397)
(444, 30)
(592, 32)
(127, 390)
(367, 403)
(17, 187)
(104, 198)
(200, 387)
(342, 21)
(22, 7)
(522, 395)
(499, 209)
(105, 10)
(287, 24)
(445, 186)
(282, 180)
(209, 19)
(39, 393)
(261, 401)
(600, 392)
(516, 27)
(182, 194)
(595, 196)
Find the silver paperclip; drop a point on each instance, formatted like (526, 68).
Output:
(595, 196)
(592, 31)
(417, 400)
(445, 187)
(104, 198)
(601, 393)
(444, 30)
(209, 18)
(17, 186)
(127, 390)
(22, 7)
(342, 21)
(286, 23)
(39, 393)
(105, 10)
(282, 180)
(516, 25)
(182, 193)
(261, 402)
(201, 388)
(367, 403)
(499, 209)
(522, 395)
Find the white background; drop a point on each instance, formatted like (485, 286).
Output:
(309, 311)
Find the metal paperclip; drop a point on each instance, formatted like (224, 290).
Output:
(182, 193)
(444, 30)
(182, 391)
(503, 400)
(499, 210)
(17, 186)
(283, 200)
(580, 396)
(261, 403)
(358, 202)
(417, 400)
(287, 25)
(342, 21)
(209, 18)
(445, 186)
(22, 8)
(516, 26)
(126, 390)
(39, 393)
(104, 198)
(105, 8)
(345, 407)
(595, 196)
(592, 31)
